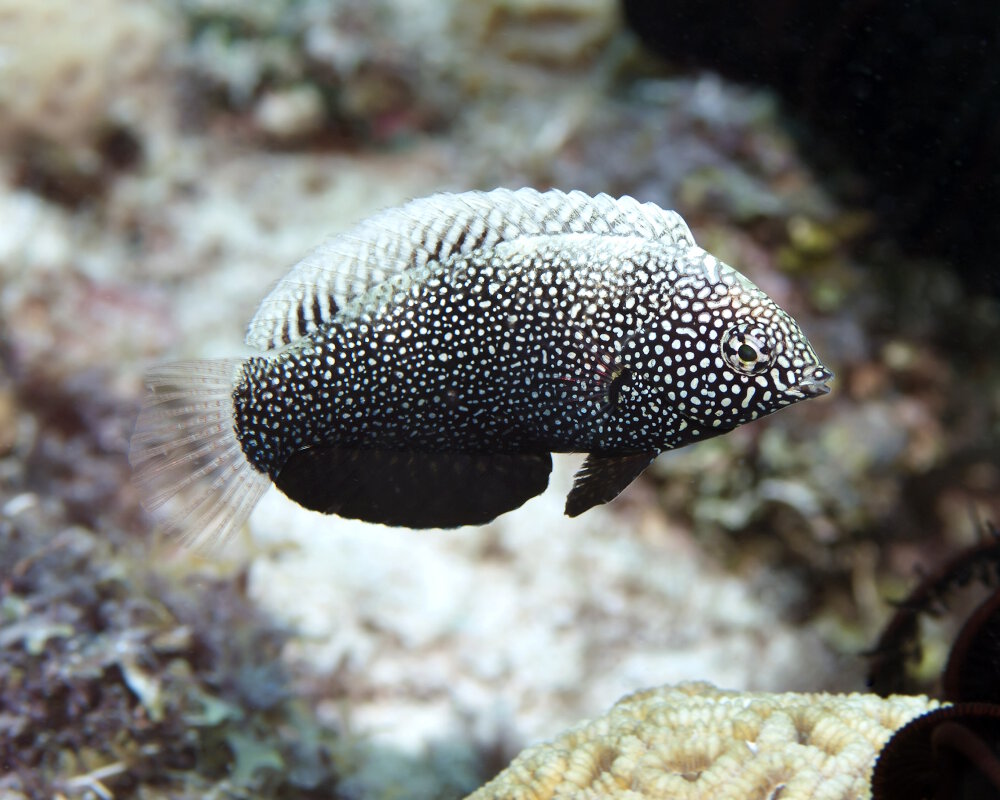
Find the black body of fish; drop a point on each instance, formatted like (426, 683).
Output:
(431, 392)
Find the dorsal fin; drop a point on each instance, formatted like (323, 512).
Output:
(431, 230)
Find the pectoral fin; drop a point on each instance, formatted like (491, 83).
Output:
(602, 478)
(412, 489)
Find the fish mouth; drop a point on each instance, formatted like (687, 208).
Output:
(815, 383)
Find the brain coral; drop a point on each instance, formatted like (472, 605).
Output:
(68, 67)
(696, 741)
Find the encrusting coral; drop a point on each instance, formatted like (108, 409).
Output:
(697, 741)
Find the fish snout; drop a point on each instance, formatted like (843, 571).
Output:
(814, 384)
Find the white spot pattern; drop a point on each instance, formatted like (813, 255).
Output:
(578, 341)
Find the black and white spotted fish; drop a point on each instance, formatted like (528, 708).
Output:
(421, 368)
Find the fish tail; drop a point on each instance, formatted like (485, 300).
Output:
(189, 467)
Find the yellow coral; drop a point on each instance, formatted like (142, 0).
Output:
(697, 741)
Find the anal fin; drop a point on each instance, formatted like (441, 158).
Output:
(413, 489)
(602, 478)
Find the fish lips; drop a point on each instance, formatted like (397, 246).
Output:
(815, 383)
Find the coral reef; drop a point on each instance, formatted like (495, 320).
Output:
(77, 81)
(146, 223)
(66, 66)
(295, 74)
(696, 741)
(116, 678)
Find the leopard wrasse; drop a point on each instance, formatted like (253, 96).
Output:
(420, 369)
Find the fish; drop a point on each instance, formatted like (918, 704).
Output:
(420, 369)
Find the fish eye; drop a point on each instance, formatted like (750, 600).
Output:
(746, 347)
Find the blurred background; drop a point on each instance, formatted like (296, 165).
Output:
(163, 163)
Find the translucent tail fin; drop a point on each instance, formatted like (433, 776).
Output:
(189, 467)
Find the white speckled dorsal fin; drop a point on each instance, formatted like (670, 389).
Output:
(433, 229)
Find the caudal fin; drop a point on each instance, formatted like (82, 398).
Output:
(189, 467)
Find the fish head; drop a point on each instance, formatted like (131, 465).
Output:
(750, 358)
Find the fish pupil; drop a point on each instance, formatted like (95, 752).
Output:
(747, 353)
